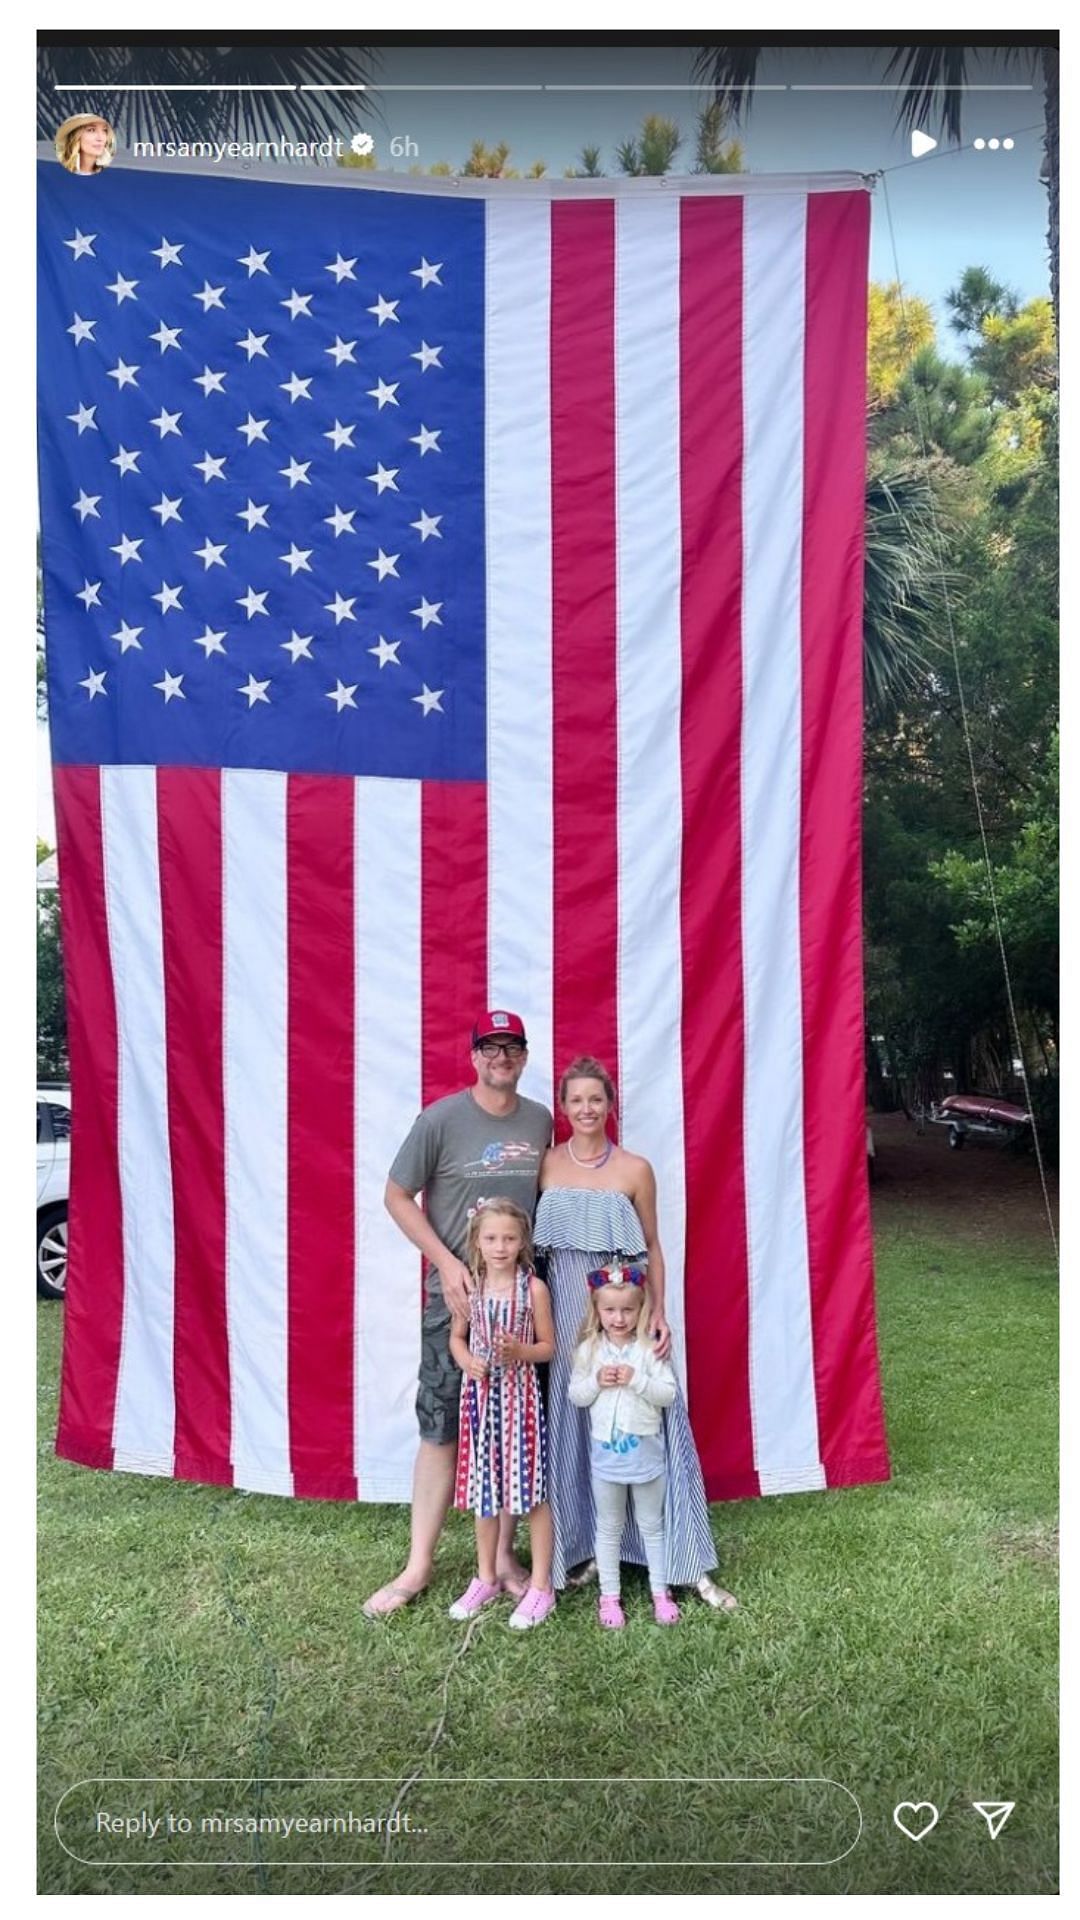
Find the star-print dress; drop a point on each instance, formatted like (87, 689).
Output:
(502, 1438)
(584, 1228)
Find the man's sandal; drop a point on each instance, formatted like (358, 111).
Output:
(399, 1597)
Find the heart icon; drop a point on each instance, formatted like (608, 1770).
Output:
(913, 1827)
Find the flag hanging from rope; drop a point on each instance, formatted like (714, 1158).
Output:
(453, 599)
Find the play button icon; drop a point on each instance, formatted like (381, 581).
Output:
(921, 143)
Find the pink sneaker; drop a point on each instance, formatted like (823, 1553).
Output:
(534, 1609)
(477, 1595)
(665, 1612)
(609, 1612)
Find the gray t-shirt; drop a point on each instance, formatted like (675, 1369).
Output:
(459, 1155)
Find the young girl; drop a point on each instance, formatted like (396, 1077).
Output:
(502, 1448)
(618, 1376)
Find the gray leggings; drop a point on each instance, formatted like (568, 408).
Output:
(610, 1497)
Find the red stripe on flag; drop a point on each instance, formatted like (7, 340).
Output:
(585, 930)
(94, 1305)
(851, 1426)
(717, 1286)
(189, 865)
(453, 930)
(321, 1096)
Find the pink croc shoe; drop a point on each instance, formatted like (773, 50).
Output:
(534, 1609)
(477, 1595)
(609, 1612)
(665, 1612)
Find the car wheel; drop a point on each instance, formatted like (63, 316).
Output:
(956, 1138)
(52, 1253)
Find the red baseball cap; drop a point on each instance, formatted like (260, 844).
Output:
(499, 1025)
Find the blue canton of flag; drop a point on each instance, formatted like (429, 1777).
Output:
(262, 491)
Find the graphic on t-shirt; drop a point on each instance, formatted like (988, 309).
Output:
(498, 1152)
(620, 1442)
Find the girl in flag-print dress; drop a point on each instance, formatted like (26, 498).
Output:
(502, 1439)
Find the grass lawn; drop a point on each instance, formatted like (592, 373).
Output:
(900, 1640)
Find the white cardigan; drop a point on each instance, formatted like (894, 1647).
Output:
(635, 1408)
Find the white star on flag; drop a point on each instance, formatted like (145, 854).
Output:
(210, 642)
(86, 504)
(126, 460)
(341, 350)
(297, 559)
(341, 436)
(428, 613)
(298, 303)
(426, 274)
(384, 477)
(253, 602)
(82, 329)
(427, 356)
(384, 310)
(84, 418)
(342, 269)
(127, 636)
(296, 473)
(123, 289)
(128, 550)
(253, 429)
(427, 440)
(167, 337)
(211, 466)
(253, 515)
(210, 296)
(299, 646)
(168, 254)
(89, 594)
(341, 521)
(428, 700)
(255, 690)
(167, 423)
(169, 597)
(385, 563)
(94, 683)
(168, 509)
(123, 375)
(254, 262)
(428, 525)
(386, 653)
(296, 388)
(210, 554)
(210, 382)
(343, 695)
(82, 243)
(341, 609)
(254, 343)
(384, 394)
(170, 686)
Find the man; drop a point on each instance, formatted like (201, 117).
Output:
(461, 1150)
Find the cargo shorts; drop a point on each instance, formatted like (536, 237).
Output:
(438, 1392)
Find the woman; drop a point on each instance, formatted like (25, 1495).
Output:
(598, 1201)
(85, 143)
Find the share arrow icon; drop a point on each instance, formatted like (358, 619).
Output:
(995, 1813)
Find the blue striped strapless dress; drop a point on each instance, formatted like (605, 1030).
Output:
(582, 1228)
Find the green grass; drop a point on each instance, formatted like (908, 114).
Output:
(899, 1639)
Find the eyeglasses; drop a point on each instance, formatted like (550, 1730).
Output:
(491, 1049)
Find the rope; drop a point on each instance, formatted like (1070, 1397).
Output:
(955, 651)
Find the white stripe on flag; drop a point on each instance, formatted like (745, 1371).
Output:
(144, 1424)
(255, 1052)
(649, 688)
(517, 289)
(388, 1093)
(782, 1389)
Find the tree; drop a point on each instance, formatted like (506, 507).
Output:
(489, 163)
(148, 110)
(715, 154)
(653, 150)
(899, 325)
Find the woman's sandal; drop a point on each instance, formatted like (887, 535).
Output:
(714, 1596)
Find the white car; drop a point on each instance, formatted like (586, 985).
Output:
(53, 1173)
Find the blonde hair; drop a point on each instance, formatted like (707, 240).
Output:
(69, 145)
(585, 1067)
(590, 1330)
(510, 1210)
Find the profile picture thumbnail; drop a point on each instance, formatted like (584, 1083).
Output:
(85, 143)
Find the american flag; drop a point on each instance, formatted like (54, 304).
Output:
(453, 599)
